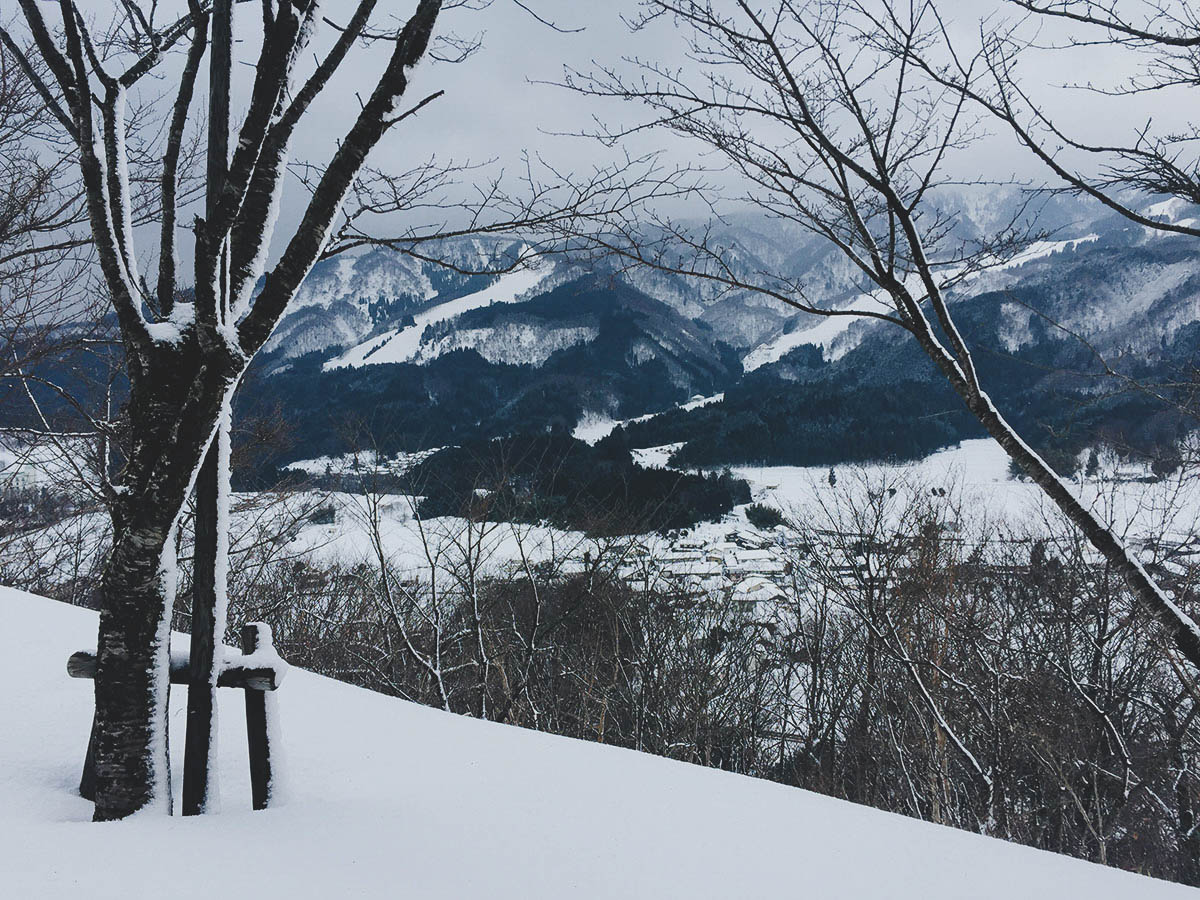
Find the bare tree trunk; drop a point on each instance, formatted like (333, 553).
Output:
(201, 704)
(208, 588)
(179, 410)
(132, 768)
(1179, 625)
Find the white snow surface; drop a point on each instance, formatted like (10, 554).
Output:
(404, 344)
(655, 457)
(363, 461)
(976, 472)
(1042, 249)
(508, 344)
(1172, 210)
(594, 427)
(823, 335)
(389, 799)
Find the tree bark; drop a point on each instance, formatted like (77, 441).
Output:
(201, 701)
(208, 588)
(132, 768)
(176, 394)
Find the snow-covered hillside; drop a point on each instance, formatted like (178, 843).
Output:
(404, 344)
(389, 799)
(361, 302)
(829, 334)
(834, 335)
(333, 305)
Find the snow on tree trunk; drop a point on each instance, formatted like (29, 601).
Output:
(186, 358)
(179, 410)
(201, 790)
(132, 676)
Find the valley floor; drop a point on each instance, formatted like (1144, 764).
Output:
(389, 799)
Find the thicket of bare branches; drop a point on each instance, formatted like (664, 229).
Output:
(825, 118)
(41, 258)
(912, 658)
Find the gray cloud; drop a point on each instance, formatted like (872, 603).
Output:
(495, 106)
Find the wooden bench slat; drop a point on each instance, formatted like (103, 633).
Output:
(83, 665)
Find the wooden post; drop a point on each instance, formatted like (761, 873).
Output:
(87, 781)
(258, 737)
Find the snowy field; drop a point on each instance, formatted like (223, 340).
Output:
(975, 475)
(388, 799)
(972, 477)
(410, 543)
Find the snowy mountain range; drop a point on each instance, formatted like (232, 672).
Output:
(624, 343)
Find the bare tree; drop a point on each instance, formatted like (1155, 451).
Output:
(186, 356)
(41, 270)
(824, 120)
(1157, 39)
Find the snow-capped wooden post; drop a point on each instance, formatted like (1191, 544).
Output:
(256, 642)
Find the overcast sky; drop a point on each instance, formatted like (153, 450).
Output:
(494, 106)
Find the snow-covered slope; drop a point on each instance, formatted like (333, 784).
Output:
(388, 799)
(333, 306)
(829, 334)
(1174, 210)
(404, 344)
(346, 299)
(836, 335)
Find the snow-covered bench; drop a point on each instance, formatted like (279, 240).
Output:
(257, 670)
